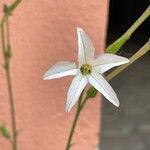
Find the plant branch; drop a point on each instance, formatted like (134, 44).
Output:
(136, 56)
(5, 46)
(115, 46)
(6, 49)
(12, 110)
(69, 144)
(9, 10)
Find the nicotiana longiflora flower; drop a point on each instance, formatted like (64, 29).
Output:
(89, 70)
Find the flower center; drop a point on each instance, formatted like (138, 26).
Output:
(86, 69)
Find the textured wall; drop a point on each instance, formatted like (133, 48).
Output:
(43, 32)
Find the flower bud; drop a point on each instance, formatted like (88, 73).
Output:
(91, 92)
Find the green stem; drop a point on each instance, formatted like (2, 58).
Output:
(6, 49)
(12, 111)
(10, 10)
(139, 21)
(136, 56)
(84, 101)
(79, 108)
(8, 77)
(115, 46)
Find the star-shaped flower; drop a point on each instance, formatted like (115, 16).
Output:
(89, 70)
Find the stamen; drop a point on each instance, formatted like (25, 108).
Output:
(86, 69)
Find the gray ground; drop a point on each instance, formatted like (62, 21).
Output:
(128, 127)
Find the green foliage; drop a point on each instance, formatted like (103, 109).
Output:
(8, 53)
(10, 8)
(114, 47)
(5, 132)
(91, 92)
(6, 65)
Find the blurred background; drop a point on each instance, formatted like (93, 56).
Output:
(128, 127)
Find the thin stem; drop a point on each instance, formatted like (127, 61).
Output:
(7, 32)
(139, 21)
(8, 77)
(3, 21)
(69, 144)
(10, 10)
(136, 56)
(12, 111)
(12, 107)
(115, 46)
(6, 49)
(3, 43)
(84, 101)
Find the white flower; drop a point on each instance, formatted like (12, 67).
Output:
(89, 70)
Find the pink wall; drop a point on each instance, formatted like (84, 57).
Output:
(43, 32)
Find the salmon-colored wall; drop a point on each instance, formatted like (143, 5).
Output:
(43, 32)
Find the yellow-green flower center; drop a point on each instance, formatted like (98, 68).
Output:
(86, 69)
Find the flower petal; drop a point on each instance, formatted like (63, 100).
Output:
(104, 87)
(107, 61)
(85, 47)
(75, 89)
(60, 69)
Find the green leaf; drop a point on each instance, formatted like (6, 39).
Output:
(5, 8)
(114, 47)
(8, 53)
(10, 8)
(91, 92)
(5, 132)
(6, 65)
